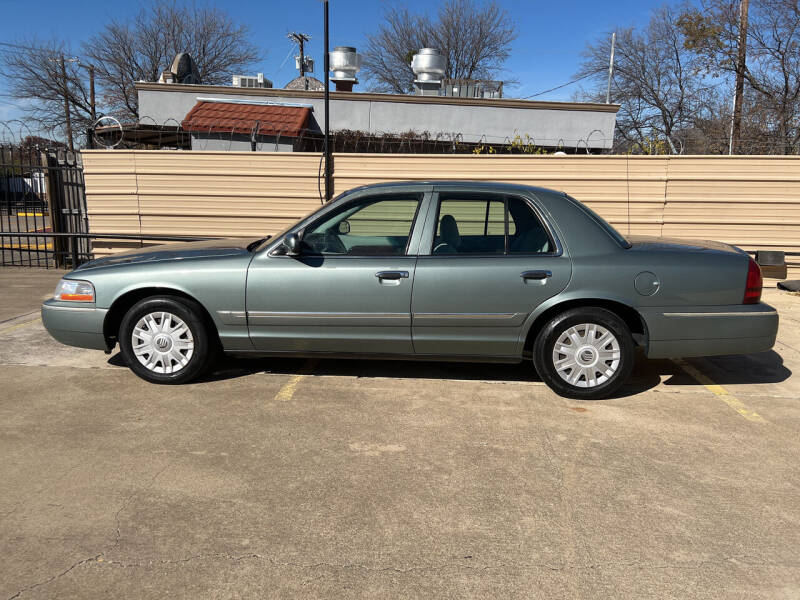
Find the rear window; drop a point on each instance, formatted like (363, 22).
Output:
(605, 225)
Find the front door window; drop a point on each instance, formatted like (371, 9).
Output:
(372, 227)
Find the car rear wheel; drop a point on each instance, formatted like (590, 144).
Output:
(584, 353)
(164, 340)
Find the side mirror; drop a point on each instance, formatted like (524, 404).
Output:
(292, 242)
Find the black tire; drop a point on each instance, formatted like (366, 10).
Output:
(204, 347)
(544, 360)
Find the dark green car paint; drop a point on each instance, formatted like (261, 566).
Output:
(448, 306)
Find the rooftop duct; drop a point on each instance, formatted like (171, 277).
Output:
(429, 65)
(345, 62)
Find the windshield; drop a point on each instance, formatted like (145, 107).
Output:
(607, 227)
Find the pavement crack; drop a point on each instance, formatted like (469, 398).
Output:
(127, 501)
(452, 565)
(54, 577)
(714, 561)
(96, 557)
(550, 455)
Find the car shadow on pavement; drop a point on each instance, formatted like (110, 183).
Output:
(762, 368)
(232, 367)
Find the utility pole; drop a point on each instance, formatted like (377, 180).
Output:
(741, 61)
(66, 103)
(611, 67)
(300, 39)
(91, 94)
(92, 106)
(327, 147)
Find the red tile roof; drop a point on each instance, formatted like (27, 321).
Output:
(228, 117)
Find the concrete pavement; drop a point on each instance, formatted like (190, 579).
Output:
(348, 479)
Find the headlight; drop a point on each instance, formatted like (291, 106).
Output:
(73, 290)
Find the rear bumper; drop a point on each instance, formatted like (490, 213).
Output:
(75, 325)
(709, 331)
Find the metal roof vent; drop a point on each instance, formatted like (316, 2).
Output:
(345, 62)
(429, 66)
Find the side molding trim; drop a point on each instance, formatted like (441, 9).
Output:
(232, 317)
(254, 314)
(498, 316)
(699, 315)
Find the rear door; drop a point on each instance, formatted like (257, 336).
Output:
(487, 260)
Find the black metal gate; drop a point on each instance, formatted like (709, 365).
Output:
(42, 193)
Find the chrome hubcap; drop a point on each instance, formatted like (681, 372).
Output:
(586, 355)
(162, 342)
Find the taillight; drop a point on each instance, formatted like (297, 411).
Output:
(752, 289)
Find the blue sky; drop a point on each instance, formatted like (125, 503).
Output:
(545, 54)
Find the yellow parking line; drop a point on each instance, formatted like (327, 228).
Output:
(23, 247)
(287, 391)
(18, 325)
(720, 392)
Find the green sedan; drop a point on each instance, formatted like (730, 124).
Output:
(457, 271)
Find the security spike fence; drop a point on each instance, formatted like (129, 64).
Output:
(263, 136)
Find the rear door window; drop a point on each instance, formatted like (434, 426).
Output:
(489, 224)
(470, 226)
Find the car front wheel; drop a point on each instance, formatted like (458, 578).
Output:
(584, 353)
(164, 340)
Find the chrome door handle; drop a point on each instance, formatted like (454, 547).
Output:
(536, 274)
(392, 275)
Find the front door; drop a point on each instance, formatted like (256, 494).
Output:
(488, 261)
(350, 289)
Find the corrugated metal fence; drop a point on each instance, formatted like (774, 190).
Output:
(749, 201)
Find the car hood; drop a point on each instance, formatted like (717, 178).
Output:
(177, 251)
(660, 244)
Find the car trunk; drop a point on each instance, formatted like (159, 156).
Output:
(651, 243)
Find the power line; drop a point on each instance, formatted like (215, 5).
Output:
(563, 85)
(18, 46)
(288, 54)
(34, 48)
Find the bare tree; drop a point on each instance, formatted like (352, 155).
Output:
(35, 78)
(123, 52)
(126, 52)
(475, 39)
(772, 71)
(657, 81)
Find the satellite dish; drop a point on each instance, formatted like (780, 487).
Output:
(185, 69)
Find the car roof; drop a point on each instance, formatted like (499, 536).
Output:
(465, 184)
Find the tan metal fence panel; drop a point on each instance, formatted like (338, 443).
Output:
(622, 191)
(112, 202)
(228, 194)
(753, 201)
(749, 201)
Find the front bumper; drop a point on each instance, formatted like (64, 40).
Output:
(710, 330)
(80, 326)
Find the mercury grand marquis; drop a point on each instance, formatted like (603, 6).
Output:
(457, 271)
